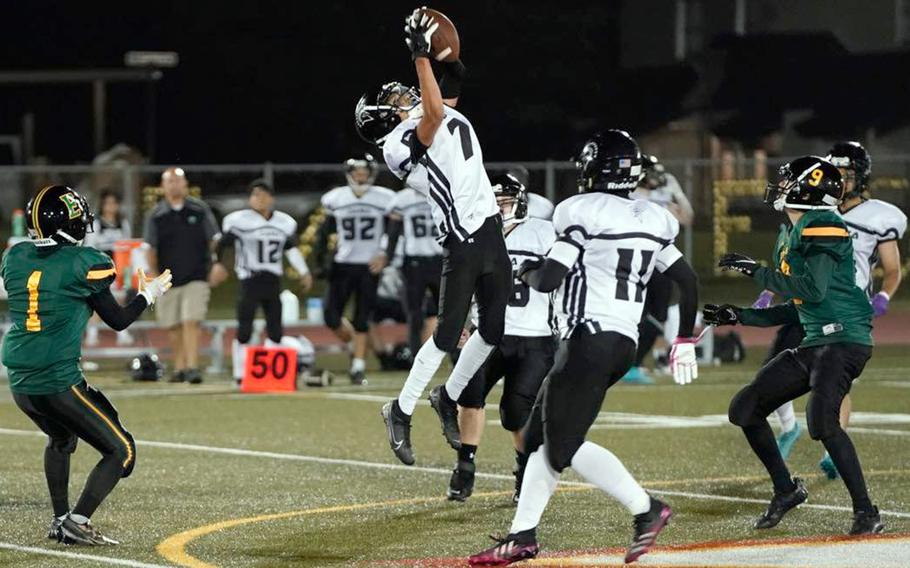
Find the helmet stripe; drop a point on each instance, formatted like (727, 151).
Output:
(35, 211)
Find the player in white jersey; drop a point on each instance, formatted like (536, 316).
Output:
(260, 237)
(435, 147)
(410, 225)
(660, 187)
(526, 352)
(875, 227)
(608, 247)
(356, 213)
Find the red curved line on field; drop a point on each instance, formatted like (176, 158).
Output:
(695, 546)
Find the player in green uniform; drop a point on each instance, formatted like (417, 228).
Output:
(814, 272)
(54, 284)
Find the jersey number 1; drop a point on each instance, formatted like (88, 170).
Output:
(32, 323)
(624, 271)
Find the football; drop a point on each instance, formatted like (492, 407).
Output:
(445, 45)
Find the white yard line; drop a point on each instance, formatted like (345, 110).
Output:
(73, 556)
(435, 470)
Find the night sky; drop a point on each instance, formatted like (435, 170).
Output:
(278, 80)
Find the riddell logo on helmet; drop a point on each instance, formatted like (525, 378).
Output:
(623, 185)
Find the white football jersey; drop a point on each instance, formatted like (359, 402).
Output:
(452, 173)
(259, 242)
(420, 233)
(665, 195)
(612, 246)
(358, 221)
(540, 207)
(529, 312)
(870, 223)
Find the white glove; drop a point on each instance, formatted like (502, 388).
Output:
(683, 363)
(154, 288)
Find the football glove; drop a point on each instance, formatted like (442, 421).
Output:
(418, 32)
(683, 363)
(880, 303)
(739, 263)
(727, 314)
(528, 266)
(153, 288)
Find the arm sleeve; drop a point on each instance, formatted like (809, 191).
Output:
(681, 273)
(320, 247)
(227, 240)
(117, 317)
(394, 228)
(809, 286)
(547, 276)
(769, 317)
(453, 75)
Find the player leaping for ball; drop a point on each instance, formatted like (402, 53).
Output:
(54, 284)
(608, 247)
(436, 148)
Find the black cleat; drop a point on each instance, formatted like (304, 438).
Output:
(178, 377)
(194, 376)
(85, 534)
(461, 485)
(781, 503)
(398, 430)
(358, 378)
(447, 410)
(867, 522)
(54, 533)
(646, 528)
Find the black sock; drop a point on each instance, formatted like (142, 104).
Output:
(521, 461)
(466, 453)
(843, 454)
(761, 438)
(399, 413)
(529, 535)
(57, 472)
(101, 481)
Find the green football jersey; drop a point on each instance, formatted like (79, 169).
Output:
(48, 288)
(814, 269)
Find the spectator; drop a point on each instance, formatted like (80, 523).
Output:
(181, 233)
(108, 228)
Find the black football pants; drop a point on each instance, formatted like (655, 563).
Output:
(83, 412)
(260, 289)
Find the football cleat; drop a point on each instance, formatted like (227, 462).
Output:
(781, 503)
(178, 377)
(447, 410)
(358, 378)
(461, 484)
(398, 430)
(827, 466)
(787, 440)
(85, 534)
(646, 528)
(193, 376)
(53, 533)
(637, 376)
(867, 522)
(508, 550)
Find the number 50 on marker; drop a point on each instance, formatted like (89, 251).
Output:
(270, 369)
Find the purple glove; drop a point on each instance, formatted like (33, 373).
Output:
(880, 303)
(764, 300)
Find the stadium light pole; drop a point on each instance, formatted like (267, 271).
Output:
(154, 61)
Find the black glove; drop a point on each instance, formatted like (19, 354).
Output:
(418, 31)
(727, 314)
(739, 263)
(528, 266)
(453, 74)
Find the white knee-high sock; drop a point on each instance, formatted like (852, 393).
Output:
(537, 487)
(599, 466)
(473, 355)
(238, 358)
(425, 365)
(787, 416)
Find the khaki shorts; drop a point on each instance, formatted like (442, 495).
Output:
(183, 303)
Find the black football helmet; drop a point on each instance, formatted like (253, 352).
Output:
(852, 156)
(376, 115)
(655, 172)
(60, 213)
(508, 189)
(146, 367)
(351, 164)
(810, 182)
(611, 162)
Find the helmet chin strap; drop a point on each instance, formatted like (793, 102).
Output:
(68, 238)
